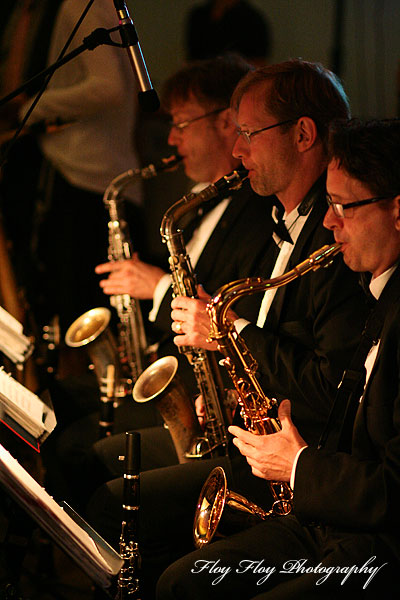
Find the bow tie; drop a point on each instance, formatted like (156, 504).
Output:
(279, 226)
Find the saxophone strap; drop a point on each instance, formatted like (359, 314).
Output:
(339, 428)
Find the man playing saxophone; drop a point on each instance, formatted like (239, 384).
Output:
(313, 325)
(342, 540)
(225, 240)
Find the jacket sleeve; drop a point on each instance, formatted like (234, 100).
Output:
(303, 358)
(360, 490)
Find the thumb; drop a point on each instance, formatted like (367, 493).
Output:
(284, 413)
(202, 293)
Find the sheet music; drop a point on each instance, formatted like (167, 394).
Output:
(13, 343)
(100, 562)
(25, 407)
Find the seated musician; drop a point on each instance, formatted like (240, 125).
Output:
(342, 537)
(226, 240)
(313, 324)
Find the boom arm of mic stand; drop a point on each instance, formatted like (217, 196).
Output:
(98, 37)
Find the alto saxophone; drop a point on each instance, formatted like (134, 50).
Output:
(190, 442)
(258, 411)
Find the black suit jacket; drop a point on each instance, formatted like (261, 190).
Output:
(360, 491)
(235, 249)
(311, 331)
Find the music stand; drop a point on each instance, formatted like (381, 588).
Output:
(68, 530)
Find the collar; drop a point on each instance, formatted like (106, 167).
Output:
(288, 226)
(377, 284)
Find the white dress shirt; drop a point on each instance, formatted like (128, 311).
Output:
(194, 247)
(294, 224)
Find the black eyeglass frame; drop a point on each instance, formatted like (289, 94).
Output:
(249, 134)
(184, 124)
(340, 212)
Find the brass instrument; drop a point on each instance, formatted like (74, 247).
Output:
(91, 330)
(258, 411)
(193, 443)
(132, 336)
(161, 384)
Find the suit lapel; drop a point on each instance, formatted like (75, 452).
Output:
(221, 231)
(313, 221)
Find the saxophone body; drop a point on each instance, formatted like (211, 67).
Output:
(257, 410)
(159, 382)
(117, 363)
(214, 437)
(132, 337)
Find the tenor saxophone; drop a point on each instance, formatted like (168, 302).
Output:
(213, 439)
(132, 336)
(117, 363)
(128, 354)
(257, 410)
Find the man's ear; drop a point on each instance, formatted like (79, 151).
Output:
(396, 205)
(225, 120)
(306, 133)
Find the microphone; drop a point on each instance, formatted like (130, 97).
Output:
(148, 98)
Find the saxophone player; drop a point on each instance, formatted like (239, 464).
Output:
(311, 328)
(342, 540)
(224, 243)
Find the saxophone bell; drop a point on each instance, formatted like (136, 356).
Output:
(160, 383)
(217, 503)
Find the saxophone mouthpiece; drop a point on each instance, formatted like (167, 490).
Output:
(169, 163)
(323, 257)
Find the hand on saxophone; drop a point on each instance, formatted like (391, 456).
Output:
(133, 277)
(191, 322)
(271, 456)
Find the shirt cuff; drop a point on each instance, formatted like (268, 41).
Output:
(240, 324)
(160, 290)
(293, 474)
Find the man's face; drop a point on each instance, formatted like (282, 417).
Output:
(199, 143)
(270, 157)
(370, 237)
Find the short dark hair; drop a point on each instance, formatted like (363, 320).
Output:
(368, 151)
(299, 89)
(210, 81)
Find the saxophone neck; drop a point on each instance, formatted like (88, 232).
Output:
(170, 221)
(230, 293)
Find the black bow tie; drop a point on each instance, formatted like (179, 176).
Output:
(279, 227)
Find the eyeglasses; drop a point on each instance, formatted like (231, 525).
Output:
(339, 209)
(184, 124)
(249, 134)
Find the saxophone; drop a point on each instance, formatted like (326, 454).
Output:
(132, 336)
(257, 410)
(213, 439)
(117, 363)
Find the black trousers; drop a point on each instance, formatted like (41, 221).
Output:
(168, 498)
(281, 559)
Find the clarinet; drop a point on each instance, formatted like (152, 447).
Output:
(128, 578)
